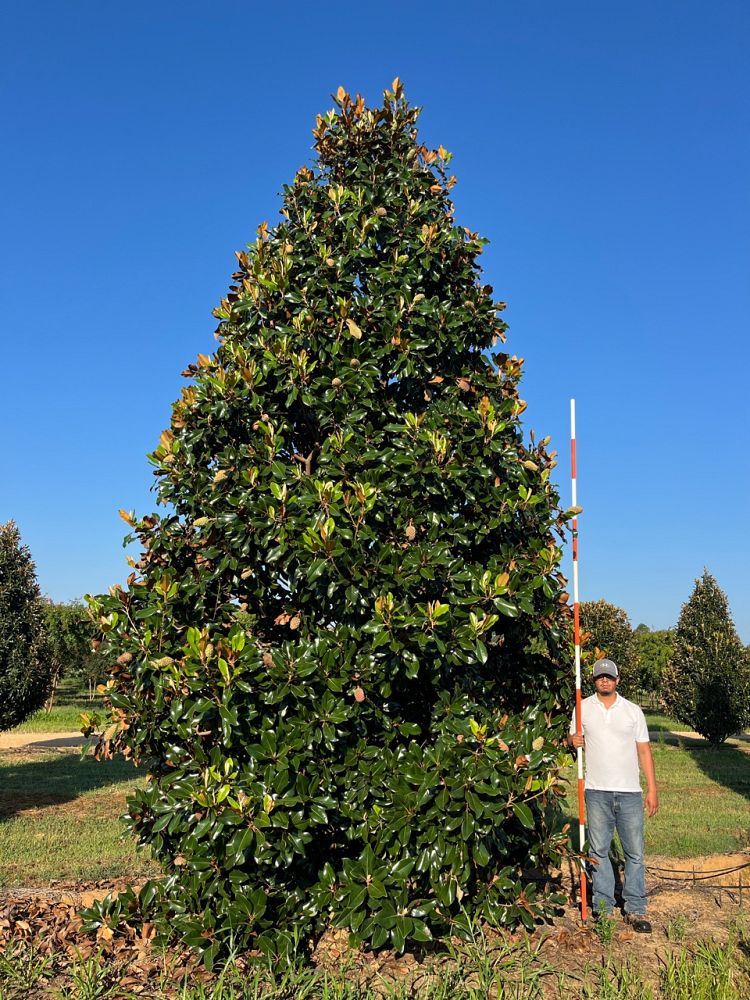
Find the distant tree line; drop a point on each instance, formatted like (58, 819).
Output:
(69, 635)
(40, 641)
(698, 672)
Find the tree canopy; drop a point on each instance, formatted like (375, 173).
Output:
(25, 666)
(606, 631)
(707, 681)
(341, 650)
(654, 650)
(69, 636)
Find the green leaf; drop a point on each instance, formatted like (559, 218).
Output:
(524, 814)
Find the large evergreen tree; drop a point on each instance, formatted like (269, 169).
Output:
(25, 666)
(340, 651)
(707, 681)
(606, 631)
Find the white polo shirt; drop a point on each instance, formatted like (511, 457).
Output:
(611, 735)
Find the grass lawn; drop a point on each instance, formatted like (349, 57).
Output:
(663, 724)
(70, 700)
(60, 818)
(704, 801)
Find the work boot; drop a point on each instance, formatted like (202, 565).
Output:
(638, 922)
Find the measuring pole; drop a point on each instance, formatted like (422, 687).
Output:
(577, 640)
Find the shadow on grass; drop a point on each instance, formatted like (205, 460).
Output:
(27, 784)
(728, 766)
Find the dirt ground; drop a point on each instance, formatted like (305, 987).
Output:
(41, 741)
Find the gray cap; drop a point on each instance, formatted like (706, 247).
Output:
(606, 668)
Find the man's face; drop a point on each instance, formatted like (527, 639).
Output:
(605, 684)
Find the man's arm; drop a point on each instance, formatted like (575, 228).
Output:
(646, 760)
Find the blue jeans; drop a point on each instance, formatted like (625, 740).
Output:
(605, 813)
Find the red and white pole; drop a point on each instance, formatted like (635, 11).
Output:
(577, 640)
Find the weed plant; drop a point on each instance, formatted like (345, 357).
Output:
(482, 968)
(604, 926)
(22, 970)
(676, 929)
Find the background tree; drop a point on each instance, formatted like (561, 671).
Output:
(654, 649)
(25, 666)
(706, 684)
(340, 651)
(606, 631)
(69, 635)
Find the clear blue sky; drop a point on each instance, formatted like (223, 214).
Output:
(603, 148)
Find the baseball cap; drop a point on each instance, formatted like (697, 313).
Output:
(606, 668)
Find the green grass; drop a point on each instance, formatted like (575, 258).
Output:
(703, 796)
(658, 723)
(70, 700)
(703, 801)
(60, 818)
(663, 724)
(706, 971)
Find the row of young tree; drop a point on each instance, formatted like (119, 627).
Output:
(698, 672)
(40, 641)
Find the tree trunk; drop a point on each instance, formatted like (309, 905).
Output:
(53, 689)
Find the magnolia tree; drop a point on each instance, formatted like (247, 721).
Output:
(706, 683)
(606, 631)
(340, 650)
(25, 666)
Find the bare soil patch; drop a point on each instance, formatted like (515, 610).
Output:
(42, 741)
(689, 901)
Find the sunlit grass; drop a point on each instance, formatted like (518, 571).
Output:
(663, 723)
(60, 818)
(70, 700)
(704, 801)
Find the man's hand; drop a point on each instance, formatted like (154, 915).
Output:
(651, 802)
(576, 740)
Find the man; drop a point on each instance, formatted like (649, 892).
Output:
(615, 738)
